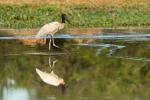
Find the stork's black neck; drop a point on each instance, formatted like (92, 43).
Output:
(63, 18)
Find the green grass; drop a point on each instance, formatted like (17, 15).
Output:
(34, 16)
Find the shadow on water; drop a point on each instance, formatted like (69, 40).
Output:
(113, 65)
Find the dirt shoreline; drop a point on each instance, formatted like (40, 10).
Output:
(71, 30)
(33, 42)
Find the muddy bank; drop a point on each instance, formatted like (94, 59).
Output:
(24, 32)
(74, 31)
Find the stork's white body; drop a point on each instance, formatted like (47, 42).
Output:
(50, 28)
(49, 78)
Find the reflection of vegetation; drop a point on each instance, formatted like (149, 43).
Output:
(113, 76)
(82, 15)
(85, 73)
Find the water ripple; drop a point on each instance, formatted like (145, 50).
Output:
(36, 54)
(132, 58)
(138, 37)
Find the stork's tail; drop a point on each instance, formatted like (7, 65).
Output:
(38, 71)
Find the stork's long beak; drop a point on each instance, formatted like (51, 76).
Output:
(63, 88)
(68, 21)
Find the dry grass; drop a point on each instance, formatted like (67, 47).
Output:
(93, 2)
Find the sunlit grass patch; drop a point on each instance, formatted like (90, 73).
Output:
(80, 15)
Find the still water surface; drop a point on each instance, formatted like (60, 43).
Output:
(109, 66)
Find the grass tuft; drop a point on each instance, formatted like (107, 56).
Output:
(94, 13)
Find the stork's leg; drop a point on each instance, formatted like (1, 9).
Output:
(58, 46)
(50, 39)
(49, 61)
(52, 64)
(54, 43)
(49, 44)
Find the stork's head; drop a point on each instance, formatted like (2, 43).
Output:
(61, 81)
(62, 85)
(64, 18)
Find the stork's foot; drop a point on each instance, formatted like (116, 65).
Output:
(56, 46)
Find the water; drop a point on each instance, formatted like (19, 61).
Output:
(113, 65)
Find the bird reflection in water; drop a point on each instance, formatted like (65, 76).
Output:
(51, 78)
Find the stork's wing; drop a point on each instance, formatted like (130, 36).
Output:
(50, 28)
(48, 77)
